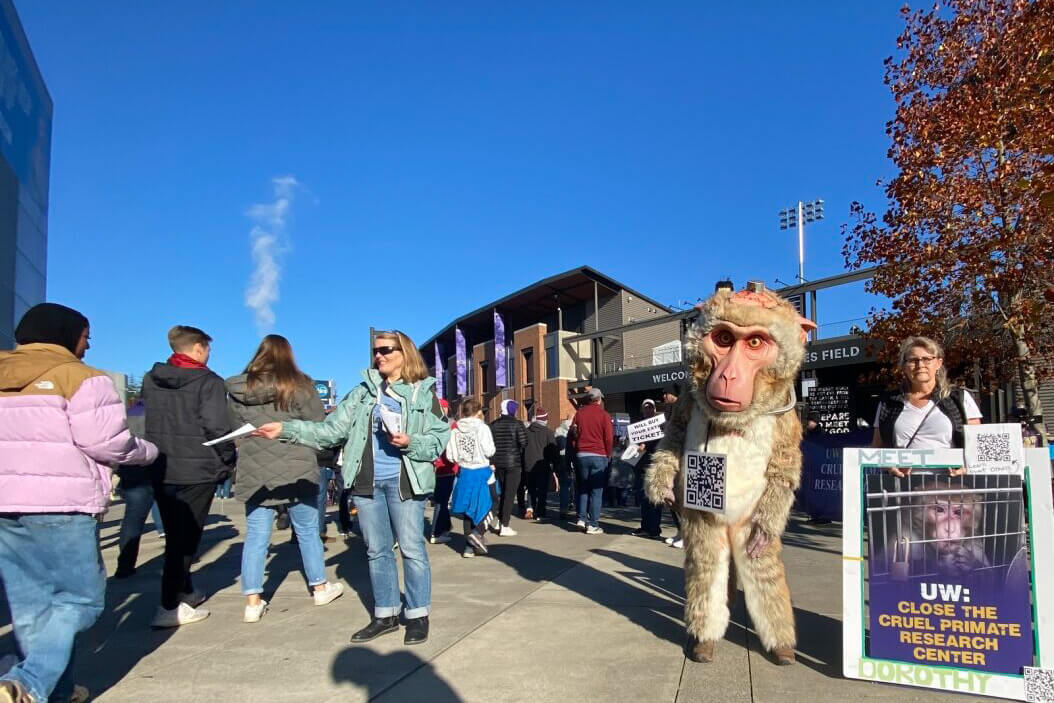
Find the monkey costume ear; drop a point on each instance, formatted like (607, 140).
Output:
(807, 326)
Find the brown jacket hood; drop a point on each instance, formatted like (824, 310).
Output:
(28, 362)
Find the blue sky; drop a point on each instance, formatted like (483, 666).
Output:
(446, 154)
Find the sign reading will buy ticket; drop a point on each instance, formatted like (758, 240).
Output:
(647, 430)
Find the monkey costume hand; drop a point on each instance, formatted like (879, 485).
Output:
(758, 542)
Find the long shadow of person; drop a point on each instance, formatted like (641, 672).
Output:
(396, 676)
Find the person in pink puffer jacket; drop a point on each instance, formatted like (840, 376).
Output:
(62, 426)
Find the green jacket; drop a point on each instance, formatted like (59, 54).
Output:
(350, 425)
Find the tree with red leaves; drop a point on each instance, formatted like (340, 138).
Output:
(966, 246)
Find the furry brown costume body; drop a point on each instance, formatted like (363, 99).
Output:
(744, 350)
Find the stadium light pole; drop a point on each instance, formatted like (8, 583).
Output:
(797, 216)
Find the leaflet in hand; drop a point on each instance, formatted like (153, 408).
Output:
(392, 420)
(246, 429)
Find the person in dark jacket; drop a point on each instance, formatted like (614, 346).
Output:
(510, 441)
(270, 474)
(542, 457)
(650, 514)
(137, 489)
(186, 405)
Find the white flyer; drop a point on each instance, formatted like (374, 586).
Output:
(647, 430)
(392, 420)
(993, 449)
(246, 429)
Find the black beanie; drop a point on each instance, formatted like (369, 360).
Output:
(51, 323)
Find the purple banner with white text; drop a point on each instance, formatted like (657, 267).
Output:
(462, 362)
(440, 375)
(499, 351)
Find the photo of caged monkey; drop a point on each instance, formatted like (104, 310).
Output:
(950, 529)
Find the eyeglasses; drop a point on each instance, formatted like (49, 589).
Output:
(385, 351)
(919, 360)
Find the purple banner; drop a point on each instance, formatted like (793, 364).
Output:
(440, 375)
(820, 493)
(462, 362)
(499, 351)
(948, 573)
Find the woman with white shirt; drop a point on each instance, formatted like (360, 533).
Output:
(471, 446)
(928, 413)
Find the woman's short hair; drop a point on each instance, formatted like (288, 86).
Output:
(414, 368)
(469, 407)
(942, 389)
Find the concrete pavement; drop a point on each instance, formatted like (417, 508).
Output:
(551, 614)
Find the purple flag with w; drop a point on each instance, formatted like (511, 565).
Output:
(499, 351)
(440, 376)
(462, 362)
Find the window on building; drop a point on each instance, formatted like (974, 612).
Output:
(552, 362)
(484, 370)
(510, 367)
(528, 361)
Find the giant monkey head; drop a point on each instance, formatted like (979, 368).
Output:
(745, 350)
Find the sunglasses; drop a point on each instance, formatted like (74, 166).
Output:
(385, 351)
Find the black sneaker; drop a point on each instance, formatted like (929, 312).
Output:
(416, 630)
(376, 628)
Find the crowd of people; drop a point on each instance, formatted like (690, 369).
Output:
(391, 441)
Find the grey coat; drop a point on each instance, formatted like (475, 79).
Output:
(273, 473)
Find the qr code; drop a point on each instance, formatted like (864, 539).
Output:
(705, 482)
(1039, 684)
(994, 446)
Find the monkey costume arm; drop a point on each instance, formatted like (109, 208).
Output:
(666, 461)
(783, 476)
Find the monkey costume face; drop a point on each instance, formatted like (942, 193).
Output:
(745, 350)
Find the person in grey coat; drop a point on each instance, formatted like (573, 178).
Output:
(275, 474)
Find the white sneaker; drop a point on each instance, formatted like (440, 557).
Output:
(507, 531)
(468, 553)
(253, 613)
(678, 544)
(670, 540)
(594, 530)
(581, 524)
(329, 593)
(181, 615)
(441, 539)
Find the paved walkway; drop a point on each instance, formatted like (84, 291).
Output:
(552, 614)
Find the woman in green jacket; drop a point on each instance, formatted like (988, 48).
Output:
(392, 429)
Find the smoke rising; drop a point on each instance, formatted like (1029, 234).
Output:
(265, 243)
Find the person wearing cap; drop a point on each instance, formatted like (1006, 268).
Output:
(650, 514)
(593, 438)
(542, 456)
(510, 441)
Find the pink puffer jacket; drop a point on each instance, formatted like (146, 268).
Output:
(62, 426)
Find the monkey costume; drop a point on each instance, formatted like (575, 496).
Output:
(744, 352)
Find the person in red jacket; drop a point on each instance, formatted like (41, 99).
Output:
(592, 435)
(446, 472)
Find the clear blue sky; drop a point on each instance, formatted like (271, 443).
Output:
(448, 153)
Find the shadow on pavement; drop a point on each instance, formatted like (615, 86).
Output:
(360, 666)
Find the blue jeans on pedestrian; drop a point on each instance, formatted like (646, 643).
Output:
(224, 490)
(138, 501)
(324, 475)
(259, 522)
(592, 473)
(378, 516)
(56, 587)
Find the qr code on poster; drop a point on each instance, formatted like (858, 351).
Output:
(994, 446)
(704, 482)
(1039, 684)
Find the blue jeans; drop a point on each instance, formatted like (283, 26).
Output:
(258, 523)
(324, 475)
(56, 587)
(223, 490)
(378, 516)
(138, 501)
(592, 473)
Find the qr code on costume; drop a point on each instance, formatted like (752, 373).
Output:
(705, 482)
(994, 446)
(1039, 684)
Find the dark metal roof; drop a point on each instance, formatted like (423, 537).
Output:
(531, 305)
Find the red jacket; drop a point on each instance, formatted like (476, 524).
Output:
(592, 431)
(445, 467)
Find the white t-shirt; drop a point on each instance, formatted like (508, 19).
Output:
(936, 433)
